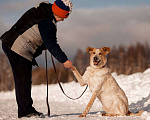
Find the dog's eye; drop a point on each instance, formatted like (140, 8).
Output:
(93, 52)
(100, 53)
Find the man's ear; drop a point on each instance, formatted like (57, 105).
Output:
(89, 49)
(106, 50)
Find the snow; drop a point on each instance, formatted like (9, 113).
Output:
(136, 87)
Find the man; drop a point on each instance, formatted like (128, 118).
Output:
(32, 33)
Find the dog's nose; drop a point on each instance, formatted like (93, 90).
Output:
(95, 58)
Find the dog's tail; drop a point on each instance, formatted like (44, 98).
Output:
(139, 113)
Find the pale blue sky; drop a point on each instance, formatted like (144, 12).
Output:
(11, 10)
(95, 23)
(98, 3)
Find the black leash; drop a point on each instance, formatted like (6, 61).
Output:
(47, 83)
(61, 85)
(58, 83)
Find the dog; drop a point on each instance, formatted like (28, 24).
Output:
(103, 85)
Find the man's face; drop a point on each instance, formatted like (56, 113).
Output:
(58, 18)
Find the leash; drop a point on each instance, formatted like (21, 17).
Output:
(58, 83)
(61, 85)
(47, 84)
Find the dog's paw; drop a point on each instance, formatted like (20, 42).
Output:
(82, 115)
(110, 115)
(103, 114)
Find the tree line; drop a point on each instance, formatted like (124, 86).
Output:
(122, 60)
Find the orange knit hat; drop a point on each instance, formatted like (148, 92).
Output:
(62, 8)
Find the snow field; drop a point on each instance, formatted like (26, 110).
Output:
(136, 87)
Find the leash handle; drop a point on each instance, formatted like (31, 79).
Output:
(61, 85)
(47, 83)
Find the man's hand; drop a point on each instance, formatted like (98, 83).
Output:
(68, 64)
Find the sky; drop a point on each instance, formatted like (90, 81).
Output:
(94, 23)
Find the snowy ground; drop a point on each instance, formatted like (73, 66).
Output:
(136, 87)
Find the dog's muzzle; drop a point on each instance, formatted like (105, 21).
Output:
(96, 61)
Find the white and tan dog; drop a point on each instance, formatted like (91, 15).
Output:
(102, 85)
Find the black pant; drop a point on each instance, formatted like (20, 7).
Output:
(22, 71)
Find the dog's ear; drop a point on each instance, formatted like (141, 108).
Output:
(89, 49)
(106, 50)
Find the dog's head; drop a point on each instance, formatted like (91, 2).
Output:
(98, 56)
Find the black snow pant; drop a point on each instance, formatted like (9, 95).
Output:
(22, 71)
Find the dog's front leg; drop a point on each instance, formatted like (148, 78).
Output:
(78, 77)
(89, 105)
